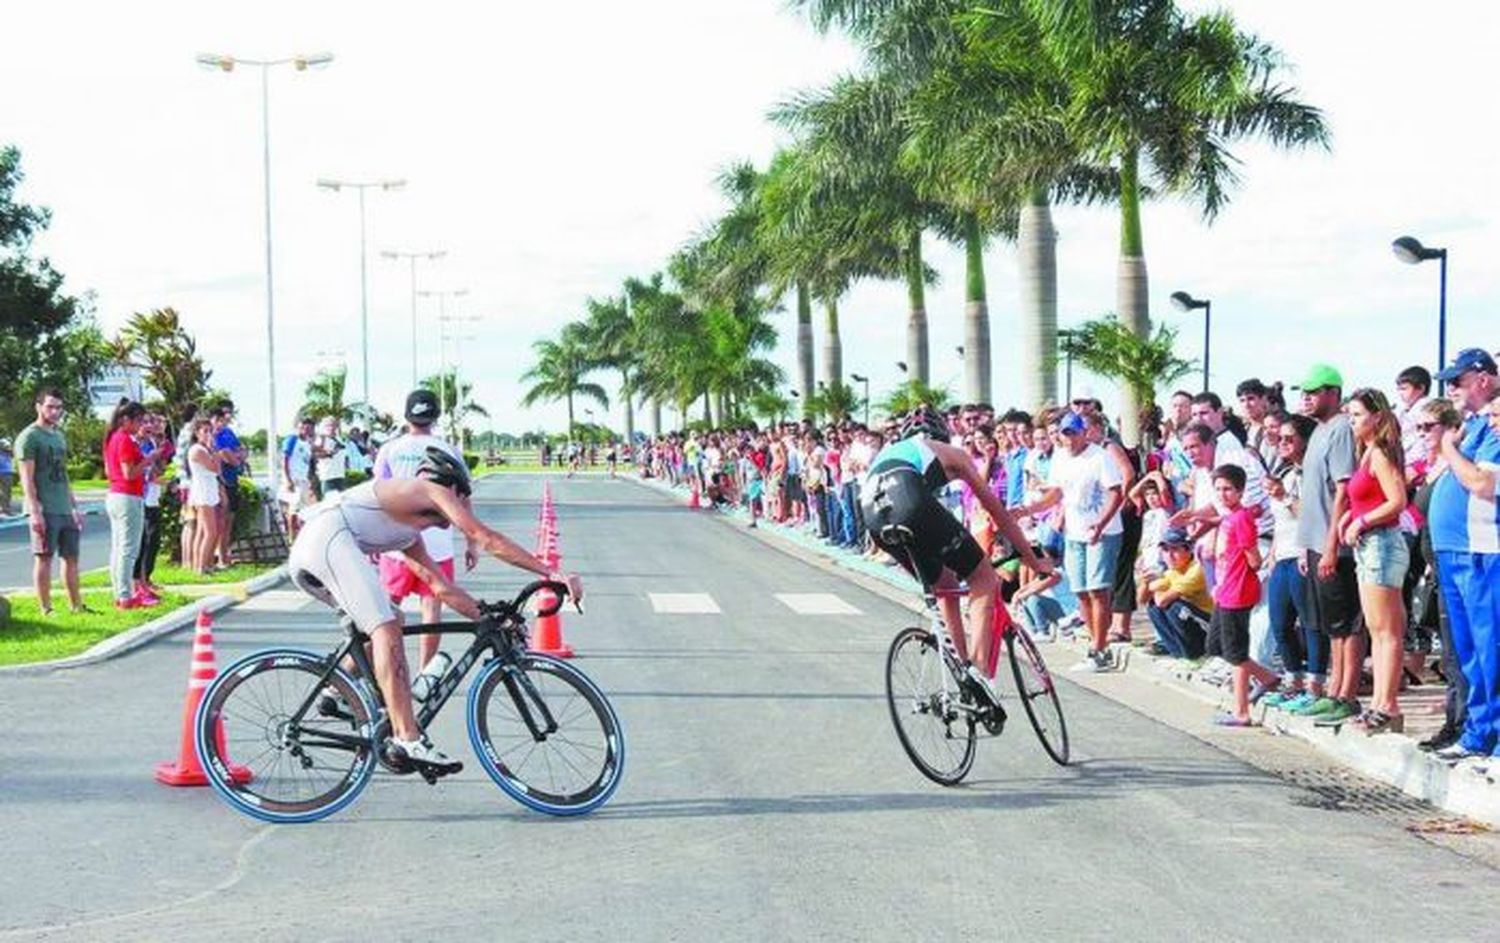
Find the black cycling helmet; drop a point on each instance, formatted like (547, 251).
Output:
(441, 468)
(924, 420)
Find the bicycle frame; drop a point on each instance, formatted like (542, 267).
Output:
(506, 638)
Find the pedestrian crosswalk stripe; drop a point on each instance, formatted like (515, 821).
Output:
(816, 604)
(684, 603)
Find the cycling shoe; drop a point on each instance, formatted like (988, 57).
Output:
(421, 756)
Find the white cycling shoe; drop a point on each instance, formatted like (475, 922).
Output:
(421, 754)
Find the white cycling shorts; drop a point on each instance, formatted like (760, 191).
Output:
(326, 563)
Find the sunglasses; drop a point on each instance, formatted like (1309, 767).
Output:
(1428, 426)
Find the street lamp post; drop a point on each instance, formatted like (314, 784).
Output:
(1412, 252)
(227, 63)
(364, 284)
(1183, 301)
(442, 295)
(1068, 338)
(413, 257)
(458, 358)
(866, 381)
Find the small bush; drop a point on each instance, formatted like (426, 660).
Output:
(471, 459)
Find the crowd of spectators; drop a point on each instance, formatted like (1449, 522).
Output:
(1308, 553)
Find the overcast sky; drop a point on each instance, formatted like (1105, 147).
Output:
(555, 149)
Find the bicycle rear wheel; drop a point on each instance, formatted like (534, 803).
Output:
(567, 767)
(297, 771)
(923, 697)
(1038, 693)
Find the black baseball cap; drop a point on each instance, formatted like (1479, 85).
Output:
(422, 407)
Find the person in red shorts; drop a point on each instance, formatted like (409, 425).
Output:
(401, 457)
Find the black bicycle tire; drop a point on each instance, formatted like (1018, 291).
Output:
(966, 762)
(207, 738)
(1059, 753)
(611, 765)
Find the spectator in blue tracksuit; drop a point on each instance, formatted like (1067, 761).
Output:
(1465, 526)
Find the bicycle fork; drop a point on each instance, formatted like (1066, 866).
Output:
(529, 702)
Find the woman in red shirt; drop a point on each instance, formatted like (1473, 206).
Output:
(1377, 496)
(125, 467)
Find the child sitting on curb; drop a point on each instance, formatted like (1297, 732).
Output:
(1179, 604)
(1237, 560)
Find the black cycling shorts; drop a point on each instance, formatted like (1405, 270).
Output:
(907, 521)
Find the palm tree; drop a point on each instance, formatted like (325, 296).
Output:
(911, 394)
(157, 344)
(559, 372)
(1160, 95)
(1111, 348)
(324, 396)
(612, 342)
(837, 401)
(455, 398)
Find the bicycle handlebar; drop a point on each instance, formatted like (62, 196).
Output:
(558, 590)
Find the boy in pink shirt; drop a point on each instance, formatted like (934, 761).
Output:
(1237, 558)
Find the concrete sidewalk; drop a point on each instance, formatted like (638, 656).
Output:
(1471, 789)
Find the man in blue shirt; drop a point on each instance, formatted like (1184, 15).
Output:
(1018, 431)
(232, 459)
(1466, 540)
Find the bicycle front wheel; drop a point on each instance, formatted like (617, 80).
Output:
(546, 734)
(923, 697)
(267, 762)
(1038, 694)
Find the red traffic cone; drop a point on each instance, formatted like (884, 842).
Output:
(693, 500)
(186, 771)
(548, 638)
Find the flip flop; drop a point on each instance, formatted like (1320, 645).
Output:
(1226, 719)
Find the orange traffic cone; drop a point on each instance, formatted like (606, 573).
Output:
(693, 501)
(187, 771)
(548, 639)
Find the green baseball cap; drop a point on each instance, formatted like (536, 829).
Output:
(1320, 376)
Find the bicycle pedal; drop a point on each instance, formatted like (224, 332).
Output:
(430, 775)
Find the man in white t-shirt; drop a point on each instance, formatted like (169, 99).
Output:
(400, 458)
(296, 474)
(1087, 483)
(332, 455)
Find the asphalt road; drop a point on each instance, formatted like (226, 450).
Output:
(765, 796)
(16, 559)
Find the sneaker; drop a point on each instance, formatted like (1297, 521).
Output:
(1092, 663)
(131, 603)
(146, 598)
(1456, 752)
(1258, 691)
(1317, 708)
(1298, 702)
(981, 688)
(1446, 736)
(1281, 697)
(331, 704)
(1341, 711)
(422, 753)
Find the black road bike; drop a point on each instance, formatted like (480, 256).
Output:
(287, 735)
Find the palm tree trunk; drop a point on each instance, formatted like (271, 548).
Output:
(976, 316)
(1037, 245)
(629, 406)
(804, 348)
(655, 418)
(708, 403)
(570, 416)
(1131, 288)
(916, 322)
(833, 348)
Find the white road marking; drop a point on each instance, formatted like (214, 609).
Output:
(684, 603)
(816, 604)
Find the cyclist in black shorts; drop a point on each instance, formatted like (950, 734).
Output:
(906, 520)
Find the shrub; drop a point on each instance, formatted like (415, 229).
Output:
(471, 459)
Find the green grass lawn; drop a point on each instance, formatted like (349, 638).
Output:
(169, 574)
(31, 637)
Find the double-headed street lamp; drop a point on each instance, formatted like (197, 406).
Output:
(1412, 252)
(866, 381)
(1183, 301)
(412, 257)
(301, 63)
(364, 288)
(444, 336)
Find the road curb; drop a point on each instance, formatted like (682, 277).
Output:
(88, 510)
(1391, 759)
(132, 639)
